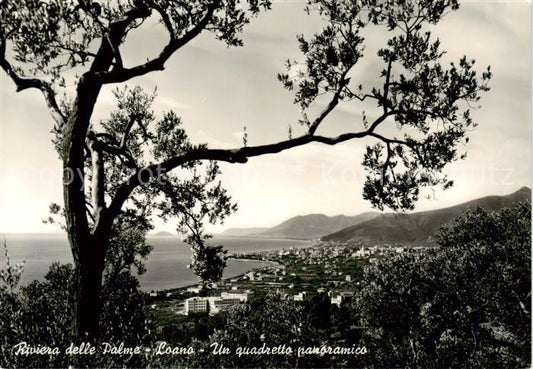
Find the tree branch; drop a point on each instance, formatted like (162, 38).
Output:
(386, 87)
(23, 83)
(122, 149)
(121, 75)
(380, 120)
(386, 165)
(110, 43)
(332, 104)
(119, 152)
(164, 17)
(98, 185)
(240, 155)
(127, 132)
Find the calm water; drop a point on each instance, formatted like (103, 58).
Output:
(166, 266)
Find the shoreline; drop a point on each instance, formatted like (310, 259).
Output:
(163, 264)
(223, 279)
(234, 258)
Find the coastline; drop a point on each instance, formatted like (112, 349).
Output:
(225, 278)
(166, 265)
(243, 259)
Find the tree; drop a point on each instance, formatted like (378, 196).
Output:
(38, 314)
(466, 304)
(272, 322)
(156, 167)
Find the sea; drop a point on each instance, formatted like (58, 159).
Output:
(166, 266)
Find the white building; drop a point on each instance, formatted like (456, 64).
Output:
(196, 305)
(337, 300)
(224, 304)
(215, 304)
(194, 289)
(362, 252)
(235, 294)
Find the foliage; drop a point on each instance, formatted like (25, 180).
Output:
(270, 322)
(425, 97)
(10, 275)
(265, 321)
(190, 196)
(39, 314)
(137, 164)
(55, 36)
(466, 304)
(508, 225)
(127, 249)
(208, 262)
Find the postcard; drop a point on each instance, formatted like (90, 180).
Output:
(265, 184)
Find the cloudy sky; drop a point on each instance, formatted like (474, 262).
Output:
(218, 90)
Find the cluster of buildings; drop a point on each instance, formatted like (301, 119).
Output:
(215, 304)
(325, 253)
(335, 298)
(305, 266)
(295, 274)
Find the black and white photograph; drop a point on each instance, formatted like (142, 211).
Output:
(265, 184)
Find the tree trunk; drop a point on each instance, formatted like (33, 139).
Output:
(88, 251)
(88, 278)
(87, 304)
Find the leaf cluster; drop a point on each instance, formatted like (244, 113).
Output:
(191, 195)
(39, 314)
(465, 304)
(427, 101)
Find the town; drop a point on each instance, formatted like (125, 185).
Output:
(296, 273)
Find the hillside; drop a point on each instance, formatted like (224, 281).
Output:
(303, 226)
(419, 227)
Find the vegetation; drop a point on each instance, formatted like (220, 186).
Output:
(154, 165)
(39, 315)
(465, 304)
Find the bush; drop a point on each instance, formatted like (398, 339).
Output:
(466, 304)
(40, 315)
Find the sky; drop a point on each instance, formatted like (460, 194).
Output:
(218, 90)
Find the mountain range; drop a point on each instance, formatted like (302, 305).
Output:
(420, 227)
(373, 227)
(310, 226)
